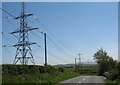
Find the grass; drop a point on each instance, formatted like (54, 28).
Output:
(88, 70)
(45, 78)
(110, 82)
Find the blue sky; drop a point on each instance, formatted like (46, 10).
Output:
(81, 27)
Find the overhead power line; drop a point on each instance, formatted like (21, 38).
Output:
(59, 41)
(8, 13)
(52, 41)
(58, 47)
(59, 58)
(22, 43)
(7, 50)
(8, 19)
(53, 55)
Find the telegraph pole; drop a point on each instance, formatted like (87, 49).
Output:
(79, 59)
(75, 62)
(45, 49)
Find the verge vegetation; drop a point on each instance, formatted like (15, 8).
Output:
(108, 67)
(42, 75)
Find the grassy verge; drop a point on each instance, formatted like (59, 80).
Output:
(110, 82)
(42, 75)
(45, 78)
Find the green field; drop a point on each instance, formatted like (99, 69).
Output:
(88, 70)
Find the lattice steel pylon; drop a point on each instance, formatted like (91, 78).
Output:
(24, 51)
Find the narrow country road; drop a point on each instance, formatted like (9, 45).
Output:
(84, 80)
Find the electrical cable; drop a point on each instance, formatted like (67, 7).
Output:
(63, 45)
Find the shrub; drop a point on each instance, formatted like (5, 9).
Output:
(26, 69)
(113, 74)
(61, 69)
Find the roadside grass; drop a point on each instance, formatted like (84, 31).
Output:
(45, 78)
(56, 75)
(110, 82)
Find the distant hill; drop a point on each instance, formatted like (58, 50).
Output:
(72, 65)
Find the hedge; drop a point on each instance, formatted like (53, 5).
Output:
(27, 69)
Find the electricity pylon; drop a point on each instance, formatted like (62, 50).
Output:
(24, 51)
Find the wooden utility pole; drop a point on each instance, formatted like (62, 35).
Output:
(79, 59)
(45, 49)
(75, 62)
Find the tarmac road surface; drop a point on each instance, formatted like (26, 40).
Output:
(84, 80)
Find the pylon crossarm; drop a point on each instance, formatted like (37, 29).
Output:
(25, 44)
(24, 15)
(18, 31)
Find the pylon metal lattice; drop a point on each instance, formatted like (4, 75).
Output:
(24, 51)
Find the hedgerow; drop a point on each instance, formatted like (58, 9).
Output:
(27, 69)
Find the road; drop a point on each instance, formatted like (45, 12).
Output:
(84, 80)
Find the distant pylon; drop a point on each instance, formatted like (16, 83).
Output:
(24, 51)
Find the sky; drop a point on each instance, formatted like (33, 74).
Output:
(71, 27)
(61, 0)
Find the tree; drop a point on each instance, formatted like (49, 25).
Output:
(100, 56)
(104, 61)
